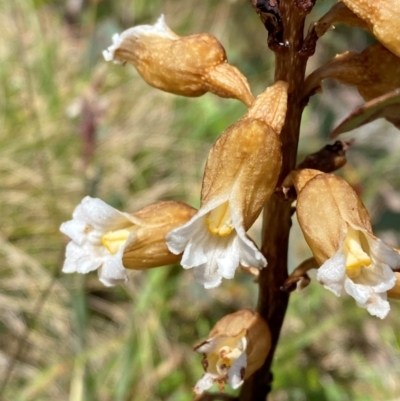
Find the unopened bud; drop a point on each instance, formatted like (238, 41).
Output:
(188, 66)
(236, 347)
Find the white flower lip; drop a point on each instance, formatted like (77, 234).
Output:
(92, 218)
(160, 28)
(213, 257)
(369, 288)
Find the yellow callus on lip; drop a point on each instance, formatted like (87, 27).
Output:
(219, 221)
(113, 240)
(356, 257)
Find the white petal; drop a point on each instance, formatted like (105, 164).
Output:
(196, 248)
(81, 259)
(206, 276)
(160, 28)
(250, 256)
(112, 272)
(76, 230)
(212, 256)
(379, 277)
(375, 303)
(179, 238)
(378, 306)
(100, 215)
(236, 371)
(332, 273)
(227, 256)
(382, 253)
(204, 383)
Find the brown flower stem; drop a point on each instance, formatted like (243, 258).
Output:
(290, 64)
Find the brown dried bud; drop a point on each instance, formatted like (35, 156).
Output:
(382, 18)
(237, 346)
(374, 72)
(188, 66)
(336, 226)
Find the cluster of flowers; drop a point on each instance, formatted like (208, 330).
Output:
(241, 173)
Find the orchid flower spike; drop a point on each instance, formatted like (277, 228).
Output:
(241, 173)
(237, 346)
(111, 241)
(337, 227)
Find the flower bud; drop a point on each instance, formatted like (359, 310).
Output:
(241, 173)
(382, 18)
(336, 226)
(188, 66)
(237, 346)
(106, 239)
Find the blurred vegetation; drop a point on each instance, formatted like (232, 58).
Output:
(72, 125)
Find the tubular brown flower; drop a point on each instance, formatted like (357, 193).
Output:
(111, 241)
(241, 173)
(336, 226)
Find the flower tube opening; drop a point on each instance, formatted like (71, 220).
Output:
(114, 240)
(356, 255)
(219, 220)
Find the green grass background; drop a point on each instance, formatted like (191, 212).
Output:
(66, 337)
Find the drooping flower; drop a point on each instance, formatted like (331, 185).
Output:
(189, 65)
(111, 241)
(241, 173)
(237, 346)
(337, 227)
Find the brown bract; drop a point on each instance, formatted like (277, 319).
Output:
(374, 72)
(325, 205)
(148, 247)
(189, 65)
(382, 18)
